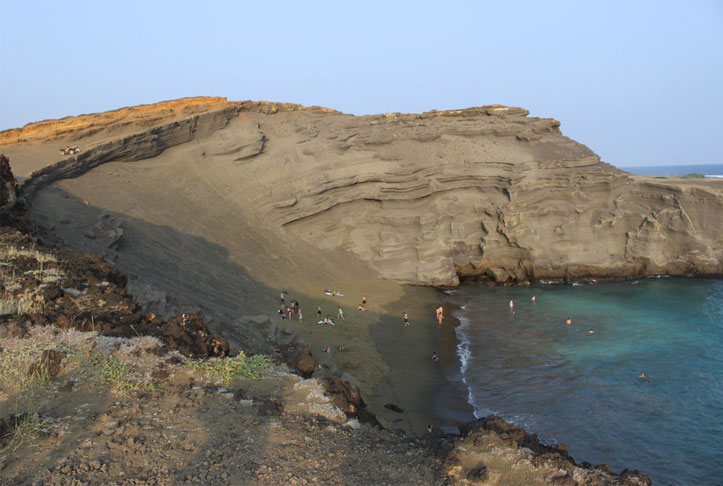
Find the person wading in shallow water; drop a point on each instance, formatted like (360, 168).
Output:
(440, 315)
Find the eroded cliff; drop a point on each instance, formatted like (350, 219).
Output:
(484, 193)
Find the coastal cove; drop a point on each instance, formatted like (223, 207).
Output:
(232, 210)
(583, 389)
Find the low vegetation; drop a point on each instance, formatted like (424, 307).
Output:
(225, 370)
(121, 377)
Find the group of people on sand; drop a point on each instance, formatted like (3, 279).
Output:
(290, 311)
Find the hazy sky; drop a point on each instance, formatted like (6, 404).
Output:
(639, 82)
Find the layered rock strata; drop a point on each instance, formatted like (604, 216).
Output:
(484, 193)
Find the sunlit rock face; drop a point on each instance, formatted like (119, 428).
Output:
(485, 193)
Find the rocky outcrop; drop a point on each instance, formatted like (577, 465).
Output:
(485, 194)
(73, 290)
(8, 189)
(298, 357)
(493, 451)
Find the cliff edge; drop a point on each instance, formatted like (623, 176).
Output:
(486, 193)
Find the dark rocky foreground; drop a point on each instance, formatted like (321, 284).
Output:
(84, 292)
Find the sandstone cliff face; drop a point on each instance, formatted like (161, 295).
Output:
(484, 193)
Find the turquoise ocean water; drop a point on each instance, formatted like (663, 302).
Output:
(713, 171)
(583, 389)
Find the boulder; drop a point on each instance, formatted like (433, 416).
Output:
(298, 357)
(49, 365)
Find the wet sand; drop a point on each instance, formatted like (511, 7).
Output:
(415, 383)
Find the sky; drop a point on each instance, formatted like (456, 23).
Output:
(639, 82)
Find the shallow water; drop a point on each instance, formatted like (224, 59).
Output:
(583, 389)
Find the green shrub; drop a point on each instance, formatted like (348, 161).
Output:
(118, 375)
(228, 369)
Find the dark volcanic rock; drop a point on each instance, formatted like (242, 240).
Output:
(8, 425)
(298, 357)
(13, 329)
(271, 408)
(483, 439)
(89, 295)
(48, 365)
(189, 334)
(8, 188)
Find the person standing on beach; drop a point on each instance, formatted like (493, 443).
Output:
(406, 319)
(318, 310)
(440, 315)
(340, 314)
(298, 310)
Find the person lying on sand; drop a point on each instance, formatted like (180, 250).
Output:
(361, 307)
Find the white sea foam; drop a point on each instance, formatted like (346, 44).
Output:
(714, 176)
(465, 353)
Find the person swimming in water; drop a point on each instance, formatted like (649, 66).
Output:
(568, 321)
(591, 331)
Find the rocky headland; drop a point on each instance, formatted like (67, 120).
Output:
(485, 193)
(200, 211)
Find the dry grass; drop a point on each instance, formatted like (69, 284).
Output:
(8, 252)
(11, 280)
(17, 355)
